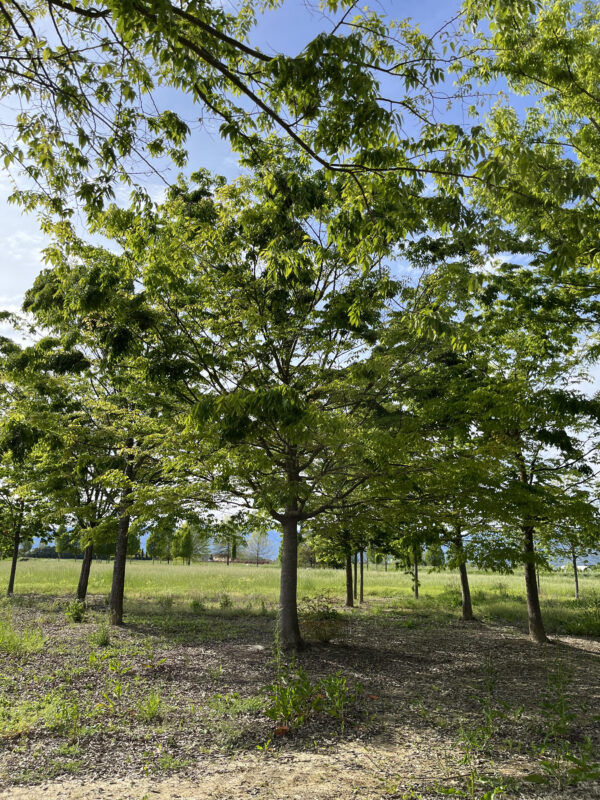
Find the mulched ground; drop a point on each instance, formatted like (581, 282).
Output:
(172, 707)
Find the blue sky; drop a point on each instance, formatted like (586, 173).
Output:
(286, 29)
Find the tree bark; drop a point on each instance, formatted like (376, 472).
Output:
(289, 627)
(118, 582)
(416, 573)
(465, 589)
(228, 553)
(575, 575)
(349, 585)
(84, 575)
(362, 578)
(356, 576)
(15, 555)
(534, 612)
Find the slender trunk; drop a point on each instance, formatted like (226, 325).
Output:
(349, 586)
(416, 573)
(362, 578)
(84, 575)
(385, 562)
(234, 551)
(118, 582)
(15, 555)
(575, 575)
(356, 576)
(465, 589)
(534, 612)
(289, 627)
(228, 554)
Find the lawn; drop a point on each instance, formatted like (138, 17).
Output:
(495, 597)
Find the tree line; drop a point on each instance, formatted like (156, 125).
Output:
(377, 337)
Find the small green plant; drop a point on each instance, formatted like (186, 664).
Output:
(15, 643)
(101, 637)
(62, 715)
(292, 697)
(319, 619)
(232, 704)
(335, 696)
(197, 606)
(150, 709)
(165, 601)
(75, 611)
(225, 601)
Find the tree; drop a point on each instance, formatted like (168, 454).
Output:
(240, 265)
(183, 543)
(81, 74)
(257, 546)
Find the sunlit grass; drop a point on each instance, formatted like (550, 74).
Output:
(495, 597)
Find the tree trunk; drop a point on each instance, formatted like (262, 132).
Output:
(575, 575)
(118, 583)
(416, 573)
(289, 627)
(356, 576)
(84, 575)
(15, 555)
(465, 589)
(228, 551)
(349, 585)
(385, 565)
(534, 612)
(362, 578)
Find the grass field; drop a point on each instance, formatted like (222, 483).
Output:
(495, 597)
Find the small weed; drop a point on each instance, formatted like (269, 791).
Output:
(292, 697)
(165, 602)
(197, 606)
(169, 763)
(225, 601)
(319, 619)
(101, 637)
(232, 704)
(15, 643)
(151, 708)
(75, 611)
(62, 715)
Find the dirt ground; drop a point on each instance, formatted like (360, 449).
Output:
(446, 708)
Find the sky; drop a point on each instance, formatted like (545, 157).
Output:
(287, 29)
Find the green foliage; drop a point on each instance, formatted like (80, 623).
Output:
(75, 611)
(319, 619)
(292, 698)
(101, 637)
(15, 643)
(150, 708)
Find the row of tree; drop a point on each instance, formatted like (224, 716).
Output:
(375, 338)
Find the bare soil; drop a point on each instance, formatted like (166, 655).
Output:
(446, 707)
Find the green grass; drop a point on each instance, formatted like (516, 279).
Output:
(17, 643)
(185, 590)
